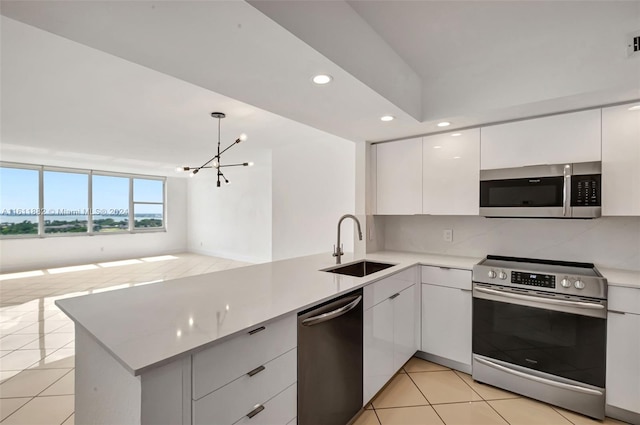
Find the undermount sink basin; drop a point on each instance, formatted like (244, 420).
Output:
(360, 269)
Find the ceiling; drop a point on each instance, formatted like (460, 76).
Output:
(135, 81)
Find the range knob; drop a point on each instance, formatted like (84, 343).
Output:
(566, 283)
(579, 284)
(502, 275)
(492, 274)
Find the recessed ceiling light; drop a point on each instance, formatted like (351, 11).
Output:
(456, 157)
(635, 108)
(387, 118)
(444, 124)
(437, 147)
(321, 79)
(456, 134)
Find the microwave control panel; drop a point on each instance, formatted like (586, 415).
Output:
(585, 190)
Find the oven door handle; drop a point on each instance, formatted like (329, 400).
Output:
(591, 306)
(539, 379)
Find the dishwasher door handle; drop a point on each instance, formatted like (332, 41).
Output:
(332, 314)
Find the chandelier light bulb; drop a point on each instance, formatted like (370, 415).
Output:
(242, 137)
(250, 164)
(215, 164)
(192, 174)
(179, 168)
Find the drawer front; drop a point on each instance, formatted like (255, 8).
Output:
(383, 289)
(231, 402)
(624, 299)
(451, 278)
(222, 363)
(281, 409)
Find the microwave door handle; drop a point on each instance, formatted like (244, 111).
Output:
(566, 190)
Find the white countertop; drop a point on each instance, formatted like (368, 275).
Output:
(616, 277)
(147, 326)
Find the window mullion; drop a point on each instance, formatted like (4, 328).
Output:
(131, 223)
(90, 202)
(41, 202)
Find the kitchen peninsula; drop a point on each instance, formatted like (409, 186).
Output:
(150, 354)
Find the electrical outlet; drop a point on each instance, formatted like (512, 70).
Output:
(447, 235)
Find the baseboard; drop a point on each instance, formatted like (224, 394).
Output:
(229, 256)
(622, 414)
(462, 367)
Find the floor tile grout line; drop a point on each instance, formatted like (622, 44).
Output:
(425, 397)
(498, 413)
(560, 413)
(72, 413)
(53, 383)
(18, 409)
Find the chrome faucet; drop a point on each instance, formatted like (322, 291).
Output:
(337, 249)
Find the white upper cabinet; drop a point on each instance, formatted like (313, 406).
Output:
(399, 177)
(557, 139)
(620, 161)
(450, 173)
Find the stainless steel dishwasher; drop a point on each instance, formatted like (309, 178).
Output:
(330, 361)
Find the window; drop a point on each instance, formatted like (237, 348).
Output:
(148, 205)
(48, 201)
(19, 201)
(66, 202)
(110, 204)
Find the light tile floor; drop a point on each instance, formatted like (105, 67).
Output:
(37, 350)
(424, 393)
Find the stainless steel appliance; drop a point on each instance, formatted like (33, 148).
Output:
(547, 191)
(330, 361)
(539, 329)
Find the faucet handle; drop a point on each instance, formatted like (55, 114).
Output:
(335, 253)
(341, 249)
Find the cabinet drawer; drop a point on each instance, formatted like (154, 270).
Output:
(452, 278)
(383, 289)
(222, 363)
(281, 409)
(624, 299)
(228, 404)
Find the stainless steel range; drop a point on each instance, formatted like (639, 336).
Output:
(539, 329)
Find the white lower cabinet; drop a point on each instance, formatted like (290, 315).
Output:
(390, 334)
(623, 352)
(250, 378)
(281, 409)
(446, 315)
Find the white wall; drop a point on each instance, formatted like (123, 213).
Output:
(607, 241)
(232, 221)
(313, 186)
(35, 253)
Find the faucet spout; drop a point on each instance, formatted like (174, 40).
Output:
(337, 251)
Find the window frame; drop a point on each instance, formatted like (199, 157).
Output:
(90, 173)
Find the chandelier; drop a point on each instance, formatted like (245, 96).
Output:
(216, 161)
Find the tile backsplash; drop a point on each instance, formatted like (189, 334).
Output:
(612, 242)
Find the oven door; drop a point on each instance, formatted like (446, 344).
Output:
(555, 336)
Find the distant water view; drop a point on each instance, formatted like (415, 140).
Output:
(28, 224)
(34, 218)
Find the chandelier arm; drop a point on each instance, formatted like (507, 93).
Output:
(244, 164)
(227, 148)
(207, 163)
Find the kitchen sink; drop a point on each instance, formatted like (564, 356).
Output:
(360, 269)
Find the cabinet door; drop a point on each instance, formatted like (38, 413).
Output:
(451, 173)
(558, 139)
(404, 326)
(620, 161)
(399, 177)
(446, 322)
(378, 348)
(623, 367)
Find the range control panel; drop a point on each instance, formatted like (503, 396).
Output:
(541, 280)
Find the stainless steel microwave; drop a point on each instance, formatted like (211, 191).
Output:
(546, 191)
